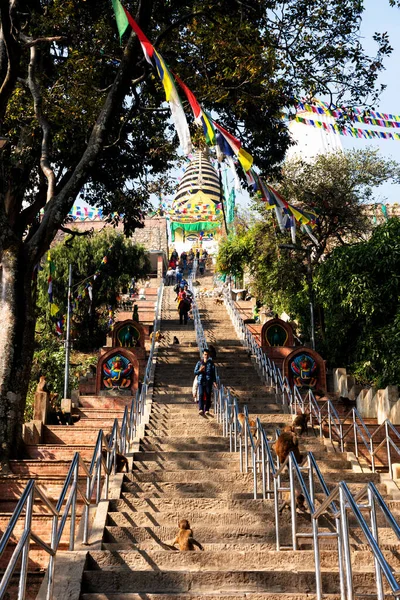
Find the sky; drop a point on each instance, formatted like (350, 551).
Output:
(378, 16)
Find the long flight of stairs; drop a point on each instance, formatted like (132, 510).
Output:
(183, 469)
(48, 460)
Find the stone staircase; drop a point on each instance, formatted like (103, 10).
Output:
(342, 408)
(183, 469)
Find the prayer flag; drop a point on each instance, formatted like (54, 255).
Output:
(53, 310)
(245, 159)
(147, 47)
(120, 17)
(200, 116)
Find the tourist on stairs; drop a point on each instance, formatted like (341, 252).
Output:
(206, 378)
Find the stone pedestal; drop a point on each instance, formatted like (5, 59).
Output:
(41, 406)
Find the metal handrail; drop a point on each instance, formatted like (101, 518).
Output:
(327, 413)
(118, 441)
(339, 514)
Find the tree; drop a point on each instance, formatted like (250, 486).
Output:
(336, 187)
(359, 288)
(83, 115)
(107, 262)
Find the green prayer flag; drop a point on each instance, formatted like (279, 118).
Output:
(120, 16)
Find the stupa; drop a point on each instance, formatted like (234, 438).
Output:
(196, 209)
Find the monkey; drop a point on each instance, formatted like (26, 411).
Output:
(219, 301)
(184, 538)
(212, 351)
(348, 404)
(176, 341)
(158, 335)
(300, 502)
(299, 424)
(252, 423)
(121, 461)
(42, 385)
(287, 442)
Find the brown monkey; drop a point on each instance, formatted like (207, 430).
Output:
(184, 538)
(42, 385)
(219, 301)
(120, 459)
(158, 335)
(287, 442)
(300, 423)
(252, 423)
(300, 501)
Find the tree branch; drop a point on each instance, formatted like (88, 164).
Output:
(178, 22)
(30, 42)
(75, 232)
(59, 206)
(13, 52)
(44, 124)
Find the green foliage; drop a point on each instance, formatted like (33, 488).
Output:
(89, 320)
(49, 360)
(336, 186)
(359, 289)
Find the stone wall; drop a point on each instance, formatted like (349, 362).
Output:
(153, 236)
(371, 402)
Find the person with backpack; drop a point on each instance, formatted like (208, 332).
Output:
(206, 378)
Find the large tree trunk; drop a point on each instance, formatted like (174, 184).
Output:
(17, 331)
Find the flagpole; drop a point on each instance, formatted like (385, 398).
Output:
(68, 333)
(221, 197)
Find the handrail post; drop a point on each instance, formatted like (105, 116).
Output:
(355, 435)
(263, 463)
(25, 551)
(246, 450)
(346, 545)
(374, 527)
(50, 568)
(293, 503)
(276, 511)
(73, 507)
(254, 453)
(388, 449)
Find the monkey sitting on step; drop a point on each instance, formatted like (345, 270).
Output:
(120, 460)
(184, 538)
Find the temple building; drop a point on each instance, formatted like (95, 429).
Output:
(196, 213)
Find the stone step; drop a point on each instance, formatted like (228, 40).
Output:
(199, 518)
(70, 435)
(248, 534)
(96, 413)
(42, 468)
(11, 487)
(210, 596)
(174, 444)
(268, 560)
(41, 526)
(105, 402)
(58, 452)
(150, 581)
(232, 489)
